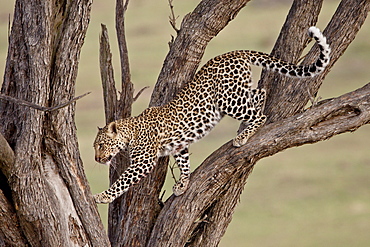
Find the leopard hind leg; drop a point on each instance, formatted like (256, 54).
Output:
(259, 99)
(253, 117)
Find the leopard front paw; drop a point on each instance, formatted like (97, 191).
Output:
(180, 187)
(103, 198)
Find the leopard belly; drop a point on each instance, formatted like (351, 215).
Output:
(193, 128)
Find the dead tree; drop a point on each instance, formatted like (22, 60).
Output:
(44, 191)
(45, 198)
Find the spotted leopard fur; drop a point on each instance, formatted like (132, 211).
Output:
(221, 87)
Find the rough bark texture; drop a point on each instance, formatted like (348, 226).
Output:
(10, 232)
(217, 184)
(288, 96)
(126, 98)
(116, 108)
(44, 196)
(201, 216)
(132, 216)
(107, 78)
(49, 190)
(228, 167)
(197, 29)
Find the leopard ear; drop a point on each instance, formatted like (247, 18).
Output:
(112, 130)
(99, 128)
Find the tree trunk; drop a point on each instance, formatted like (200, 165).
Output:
(45, 199)
(50, 200)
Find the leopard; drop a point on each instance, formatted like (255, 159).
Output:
(223, 86)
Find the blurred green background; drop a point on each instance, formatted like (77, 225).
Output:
(315, 195)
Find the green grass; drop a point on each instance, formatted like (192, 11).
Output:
(315, 195)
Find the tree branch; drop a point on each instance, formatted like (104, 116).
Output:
(38, 107)
(123, 110)
(220, 171)
(139, 93)
(197, 29)
(219, 181)
(172, 17)
(349, 17)
(49, 189)
(126, 98)
(107, 77)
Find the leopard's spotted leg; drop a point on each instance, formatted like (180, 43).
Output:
(182, 160)
(254, 121)
(142, 163)
(251, 128)
(259, 99)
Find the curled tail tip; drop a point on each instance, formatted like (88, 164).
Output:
(324, 57)
(314, 32)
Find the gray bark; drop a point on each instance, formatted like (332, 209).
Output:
(50, 199)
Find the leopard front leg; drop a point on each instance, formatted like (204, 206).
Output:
(104, 197)
(119, 187)
(142, 163)
(182, 160)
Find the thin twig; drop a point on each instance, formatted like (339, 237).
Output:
(160, 199)
(125, 6)
(314, 100)
(172, 17)
(139, 93)
(38, 107)
(172, 167)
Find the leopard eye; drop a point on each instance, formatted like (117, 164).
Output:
(100, 146)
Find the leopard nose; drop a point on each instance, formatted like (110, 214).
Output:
(97, 159)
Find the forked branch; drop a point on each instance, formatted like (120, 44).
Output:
(225, 171)
(216, 185)
(172, 17)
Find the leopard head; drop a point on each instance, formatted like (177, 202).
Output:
(109, 141)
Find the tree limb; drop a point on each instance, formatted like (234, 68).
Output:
(219, 181)
(123, 110)
(49, 189)
(172, 17)
(126, 98)
(38, 107)
(218, 173)
(107, 77)
(196, 30)
(348, 18)
(139, 93)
